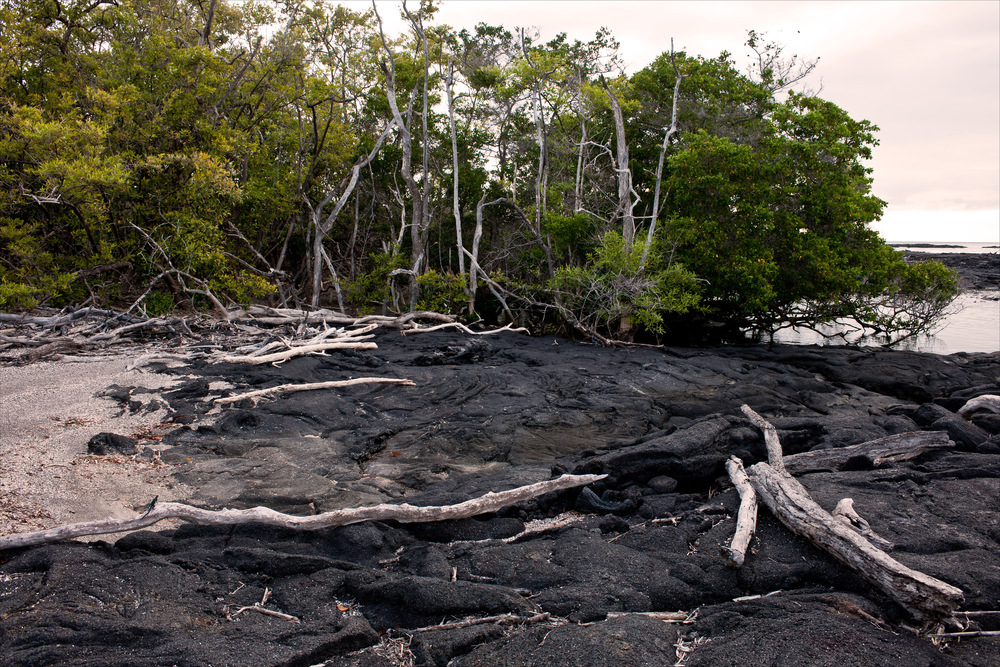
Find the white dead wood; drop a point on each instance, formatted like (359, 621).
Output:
(310, 386)
(298, 351)
(260, 608)
(959, 635)
(986, 402)
(774, 456)
(925, 597)
(501, 619)
(846, 513)
(683, 617)
(403, 513)
(746, 518)
(890, 449)
(459, 325)
(279, 316)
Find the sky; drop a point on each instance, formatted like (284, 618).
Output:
(926, 73)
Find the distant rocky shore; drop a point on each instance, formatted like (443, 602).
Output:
(977, 271)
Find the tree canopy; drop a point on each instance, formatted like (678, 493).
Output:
(205, 153)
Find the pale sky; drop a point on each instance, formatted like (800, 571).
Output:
(927, 73)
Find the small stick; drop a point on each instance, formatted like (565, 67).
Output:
(502, 619)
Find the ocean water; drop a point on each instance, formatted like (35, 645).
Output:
(958, 247)
(972, 324)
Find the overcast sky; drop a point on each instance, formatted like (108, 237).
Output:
(927, 73)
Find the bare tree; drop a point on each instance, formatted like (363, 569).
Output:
(668, 134)
(449, 82)
(623, 174)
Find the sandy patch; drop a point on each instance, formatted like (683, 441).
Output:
(48, 413)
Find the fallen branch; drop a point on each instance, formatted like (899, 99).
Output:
(459, 325)
(774, 455)
(683, 617)
(923, 596)
(311, 386)
(985, 402)
(259, 607)
(502, 619)
(293, 316)
(746, 518)
(298, 351)
(969, 633)
(403, 513)
(899, 447)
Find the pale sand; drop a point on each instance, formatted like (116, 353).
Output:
(48, 413)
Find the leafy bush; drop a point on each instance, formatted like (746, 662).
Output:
(374, 287)
(442, 292)
(615, 292)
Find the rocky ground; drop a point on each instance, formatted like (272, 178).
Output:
(579, 569)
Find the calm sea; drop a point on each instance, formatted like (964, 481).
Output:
(973, 324)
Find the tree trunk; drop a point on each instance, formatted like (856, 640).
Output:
(454, 167)
(670, 132)
(626, 204)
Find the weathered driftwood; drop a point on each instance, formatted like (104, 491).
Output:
(403, 513)
(292, 316)
(685, 617)
(746, 518)
(923, 596)
(774, 455)
(459, 325)
(899, 447)
(310, 386)
(354, 344)
(846, 513)
(986, 402)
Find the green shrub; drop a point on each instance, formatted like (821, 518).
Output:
(441, 292)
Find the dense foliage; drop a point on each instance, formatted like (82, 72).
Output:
(176, 153)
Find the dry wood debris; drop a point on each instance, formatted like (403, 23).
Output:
(844, 535)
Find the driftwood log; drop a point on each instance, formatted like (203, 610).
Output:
(462, 327)
(403, 513)
(746, 518)
(986, 402)
(877, 453)
(925, 597)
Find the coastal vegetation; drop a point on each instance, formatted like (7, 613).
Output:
(206, 154)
